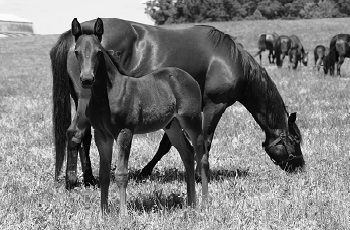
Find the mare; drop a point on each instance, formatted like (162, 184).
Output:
(283, 44)
(297, 52)
(339, 49)
(121, 106)
(267, 41)
(320, 52)
(225, 72)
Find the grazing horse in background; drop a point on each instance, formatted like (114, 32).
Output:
(339, 49)
(320, 52)
(121, 106)
(267, 41)
(225, 72)
(297, 53)
(283, 44)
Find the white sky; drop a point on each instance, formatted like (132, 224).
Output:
(55, 16)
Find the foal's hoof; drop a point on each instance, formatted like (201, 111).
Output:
(71, 180)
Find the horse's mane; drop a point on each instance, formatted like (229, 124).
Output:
(256, 76)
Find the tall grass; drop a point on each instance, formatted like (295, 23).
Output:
(247, 191)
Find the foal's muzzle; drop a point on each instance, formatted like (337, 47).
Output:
(87, 82)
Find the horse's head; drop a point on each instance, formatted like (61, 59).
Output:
(88, 51)
(305, 58)
(285, 150)
(295, 55)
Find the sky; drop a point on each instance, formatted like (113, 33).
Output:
(55, 16)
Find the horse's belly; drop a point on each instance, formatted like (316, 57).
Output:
(154, 118)
(152, 125)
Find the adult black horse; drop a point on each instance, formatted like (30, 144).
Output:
(297, 52)
(283, 44)
(339, 49)
(225, 72)
(267, 41)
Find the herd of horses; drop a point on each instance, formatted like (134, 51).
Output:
(280, 46)
(128, 78)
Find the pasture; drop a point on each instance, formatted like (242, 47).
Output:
(247, 190)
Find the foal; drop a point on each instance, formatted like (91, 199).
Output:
(122, 106)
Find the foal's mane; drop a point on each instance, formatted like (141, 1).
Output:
(259, 82)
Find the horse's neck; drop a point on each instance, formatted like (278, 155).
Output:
(265, 104)
(108, 76)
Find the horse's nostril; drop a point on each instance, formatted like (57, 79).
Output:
(87, 83)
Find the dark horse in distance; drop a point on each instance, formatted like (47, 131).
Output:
(283, 45)
(339, 49)
(167, 98)
(267, 41)
(320, 52)
(297, 52)
(225, 72)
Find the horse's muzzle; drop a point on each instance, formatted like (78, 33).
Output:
(87, 83)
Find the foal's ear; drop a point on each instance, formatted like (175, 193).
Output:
(98, 29)
(292, 118)
(76, 29)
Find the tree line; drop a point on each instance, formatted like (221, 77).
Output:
(187, 11)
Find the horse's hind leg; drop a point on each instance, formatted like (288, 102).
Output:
(175, 134)
(164, 147)
(193, 127)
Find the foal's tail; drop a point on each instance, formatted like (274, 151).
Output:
(61, 115)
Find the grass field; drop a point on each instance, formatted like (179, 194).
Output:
(248, 191)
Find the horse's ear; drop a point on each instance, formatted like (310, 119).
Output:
(98, 29)
(76, 29)
(292, 118)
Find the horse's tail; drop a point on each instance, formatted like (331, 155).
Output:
(61, 115)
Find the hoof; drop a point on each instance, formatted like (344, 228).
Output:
(71, 180)
(89, 179)
(144, 173)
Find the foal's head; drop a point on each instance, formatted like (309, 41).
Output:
(285, 151)
(88, 51)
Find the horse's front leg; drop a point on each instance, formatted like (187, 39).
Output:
(211, 116)
(121, 173)
(74, 136)
(84, 153)
(339, 64)
(104, 143)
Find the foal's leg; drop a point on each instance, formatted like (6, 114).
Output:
(104, 143)
(121, 173)
(173, 130)
(193, 127)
